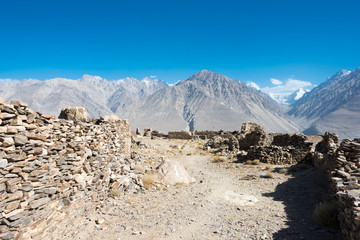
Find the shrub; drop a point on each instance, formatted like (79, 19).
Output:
(114, 193)
(269, 175)
(256, 162)
(139, 168)
(326, 213)
(253, 162)
(218, 159)
(148, 180)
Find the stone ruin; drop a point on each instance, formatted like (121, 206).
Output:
(252, 142)
(49, 167)
(340, 163)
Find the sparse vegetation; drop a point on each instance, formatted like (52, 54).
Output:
(269, 175)
(293, 168)
(149, 180)
(114, 193)
(218, 159)
(269, 168)
(326, 213)
(303, 166)
(253, 162)
(139, 168)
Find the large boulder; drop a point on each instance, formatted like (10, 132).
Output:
(73, 113)
(173, 172)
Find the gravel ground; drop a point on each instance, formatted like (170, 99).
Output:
(201, 210)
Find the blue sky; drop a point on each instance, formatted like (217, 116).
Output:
(245, 40)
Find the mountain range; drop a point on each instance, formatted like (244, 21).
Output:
(99, 96)
(208, 101)
(205, 101)
(332, 106)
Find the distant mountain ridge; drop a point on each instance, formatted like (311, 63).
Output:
(334, 106)
(98, 95)
(207, 101)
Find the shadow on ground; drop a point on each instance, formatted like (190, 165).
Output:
(300, 195)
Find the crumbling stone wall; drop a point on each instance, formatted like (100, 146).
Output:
(180, 135)
(342, 165)
(48, 165)
(206, 134)
(274, 148)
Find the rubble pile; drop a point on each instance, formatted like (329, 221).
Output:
(48, 165)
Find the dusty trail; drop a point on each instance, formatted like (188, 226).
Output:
(200, 211)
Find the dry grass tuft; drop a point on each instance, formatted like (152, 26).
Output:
(249, 162)
(218, 159)
(269, 175)
(253, 162)
(148, 180)
(293, 169)
(326, 213)
(139, 168)
(114, 193)
(303, 166)
(256, 162)
(269, 168)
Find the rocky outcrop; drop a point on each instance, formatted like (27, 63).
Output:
(73, 113)
(48, 165)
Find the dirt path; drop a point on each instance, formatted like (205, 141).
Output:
(201, 210)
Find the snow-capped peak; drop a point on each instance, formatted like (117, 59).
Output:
(147, 81)
(87, 77)
(300, 93)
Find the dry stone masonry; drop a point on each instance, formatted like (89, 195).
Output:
(340, 163)
(48, 166)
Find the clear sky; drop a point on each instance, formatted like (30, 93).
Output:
(246, 40)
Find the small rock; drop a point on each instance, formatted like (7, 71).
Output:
(100, 221)
(20, 139)
(8, 141)
(3, 163)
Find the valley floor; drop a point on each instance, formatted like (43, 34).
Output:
(200, 210)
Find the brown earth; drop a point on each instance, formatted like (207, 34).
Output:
(200, 210)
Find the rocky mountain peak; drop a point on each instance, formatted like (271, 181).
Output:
(86, 78)
(206, 77)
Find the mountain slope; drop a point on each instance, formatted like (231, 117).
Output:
(207, 101)
(99, 96)
(332, 106)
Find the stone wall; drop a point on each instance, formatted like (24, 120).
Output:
(206, 134)
(342, 165)
(49, 165)
(180, 135)
(273, 148)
